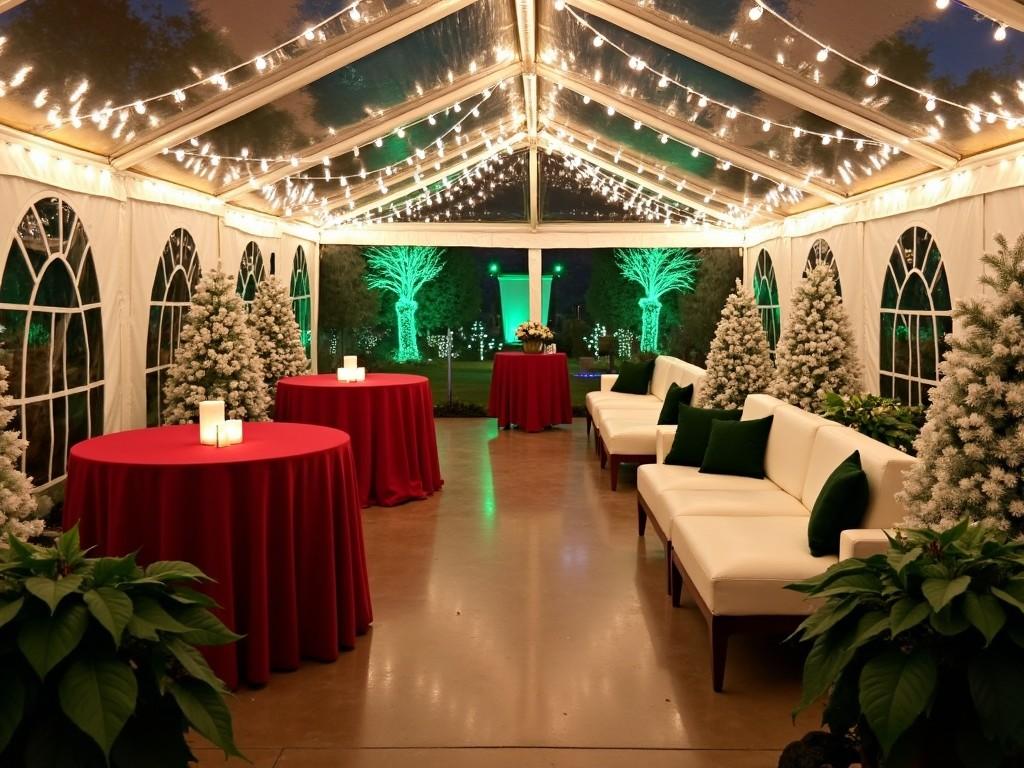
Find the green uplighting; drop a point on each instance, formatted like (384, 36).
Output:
(515, 302)
(657, 271)
(403, 270)
(558, 269)
(493, 268)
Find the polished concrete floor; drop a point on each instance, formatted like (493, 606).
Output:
(520, 622)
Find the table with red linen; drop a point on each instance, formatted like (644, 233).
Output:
(390, 417)
(274, 521)
(530, 391)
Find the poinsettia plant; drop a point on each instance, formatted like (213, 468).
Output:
(534, 331)
(98, 664)
(920, 651)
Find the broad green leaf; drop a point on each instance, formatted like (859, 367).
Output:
(46, 640)
(996, 679)
(850, 584)
(150, 611)
(187, 596)
(895, 688)
(907, 614)
(870, 626)
(834, 572)
(954, 533)
(939, 592)
(829, 654)
(112, 608)
(12, 705)
(206, 711)
(826, 617)
(107, 571)
(69, 546)
(203, 627)
(142, 629)
(900, 560)
(1012, 594)
(986, 613)
(1016, 634)
(8, 610)
(99, 697)
(52, 591)
(174, 570)
(949, 621)
(193, 662)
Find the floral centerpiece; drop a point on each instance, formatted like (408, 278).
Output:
(534, 336)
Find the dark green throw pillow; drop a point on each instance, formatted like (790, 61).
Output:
(675, 397)
(840, 505)
(692, 434)
(634, 378)
(737, 447)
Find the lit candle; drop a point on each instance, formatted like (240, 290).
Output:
(345, 374)
(233, 427)
(350, 361)
(222, 435)
(211, 413)
(360, 374)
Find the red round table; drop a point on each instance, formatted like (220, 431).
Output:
(275, 521)
(390, 417)
(530, 390)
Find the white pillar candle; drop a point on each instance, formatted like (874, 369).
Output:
(233, 427)
(350, 361)
(211, 413)
(345, 374)
(360, 374)
(222, 435)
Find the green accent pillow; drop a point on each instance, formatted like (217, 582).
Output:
(634, 378)
(692, 434)
(840, 505)
(737, 447)
(675, 397)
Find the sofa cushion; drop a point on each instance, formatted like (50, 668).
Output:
(737, 447)
(740, 565)
(883, 465)
(663, 375)
(606, 417)
(789, 446)
(625, 438)
(691, 440)
(619, 401)
(675, 397)
(840, 505)
(768, 500)
(634, 378)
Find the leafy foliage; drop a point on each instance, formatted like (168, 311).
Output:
(97, 660)
(919, 650)
(886, 420)
(403, 270)
(657, 271)
(453, 299)
(346, 302)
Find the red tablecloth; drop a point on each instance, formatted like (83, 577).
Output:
(390, 417)
(274, 521)
(530, 391)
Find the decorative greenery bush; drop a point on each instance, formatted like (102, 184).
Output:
(97, 661)
(920, 651)
(886, 420)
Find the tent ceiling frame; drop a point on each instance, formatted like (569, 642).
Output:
(736, 63)
(652, 118)
(1005, 12)
(365, 131)
(526, 30)
(260, 91)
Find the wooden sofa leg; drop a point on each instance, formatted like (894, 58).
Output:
(675, 581)
(641, 518)
(590, 422)
(614, 471)
(604, 455)
(718, 630)
(597, 442)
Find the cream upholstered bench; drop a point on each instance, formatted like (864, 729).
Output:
(734, 543)
(627, 425)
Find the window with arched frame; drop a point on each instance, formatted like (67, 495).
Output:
(302, 304)
(766, 292)
(51, 336)
(250, 274)
(177, 275)
(821, 253)
(916, 315)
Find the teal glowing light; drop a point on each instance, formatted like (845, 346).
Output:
(558, 269)
(658, 271)
(493, 268)
(515, 302)
(403, 270)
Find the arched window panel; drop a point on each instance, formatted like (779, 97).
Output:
(250, 274)
(177, 276)
(302, 304)
(821, 253)
(766, 292)
(51, 336)
(916, 315)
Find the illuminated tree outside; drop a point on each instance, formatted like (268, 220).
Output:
(657, 271)
(403, 270)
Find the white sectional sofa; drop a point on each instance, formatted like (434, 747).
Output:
(734, 542)
(627, 425)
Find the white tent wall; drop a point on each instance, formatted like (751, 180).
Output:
(290, 242)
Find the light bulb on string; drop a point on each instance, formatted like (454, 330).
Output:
(598, 41)
(942, 4)
(871, 80)
(822, 55)
(1000, 33)
(755, 12)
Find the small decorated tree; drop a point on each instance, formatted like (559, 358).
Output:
(739, 362)
(971, 450)
(816, 353)
(278, 339)
(657, 271)
(17, 504)
(403, 270)
(216, 358)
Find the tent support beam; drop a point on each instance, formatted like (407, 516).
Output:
(526, 30)
(259, 91)
(789, 87)
(1005, 12)
(364, 131)
(652, 118)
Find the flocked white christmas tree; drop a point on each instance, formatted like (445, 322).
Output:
(971, 450)
(17, 504)
(216, 357)
(278, 339)
(739, 362)
(817, 352)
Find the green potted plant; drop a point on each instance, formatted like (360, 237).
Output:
(884, 419)
(919, 652)
(98, 664)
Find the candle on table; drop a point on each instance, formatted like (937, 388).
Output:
(360, 374)
(350, 361)
(211, 413)
(222, 435)
(233, 428)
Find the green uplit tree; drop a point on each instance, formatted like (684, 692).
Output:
(403, 270)
(658, 271)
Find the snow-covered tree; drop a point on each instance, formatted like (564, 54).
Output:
(278, 339)
(216, 357)
(971, 450)
(739, 362)
(17, 504)
(816, 353)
